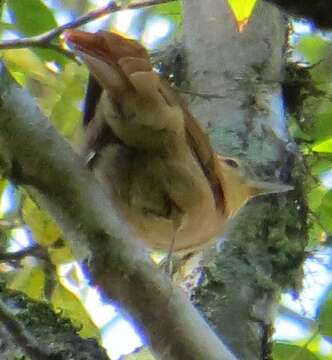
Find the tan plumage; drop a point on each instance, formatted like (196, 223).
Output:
(149, 153)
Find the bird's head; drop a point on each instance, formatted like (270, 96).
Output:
(107, 46)
(239, 187)
(101, 52)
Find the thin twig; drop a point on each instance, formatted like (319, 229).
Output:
(39, 252)
(45, 40)
(34, 250)
(9, 224)
(21, 337)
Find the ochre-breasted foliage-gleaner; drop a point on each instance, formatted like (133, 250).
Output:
(150, 154)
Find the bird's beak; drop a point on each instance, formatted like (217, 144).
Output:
(264, 187)
(93, 44)
(93, 51)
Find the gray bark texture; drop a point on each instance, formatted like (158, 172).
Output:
(264, 250)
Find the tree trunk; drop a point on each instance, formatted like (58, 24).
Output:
(245, 117)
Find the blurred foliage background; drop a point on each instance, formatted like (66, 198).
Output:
(41, 266)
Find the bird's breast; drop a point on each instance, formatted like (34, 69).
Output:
(161, 196)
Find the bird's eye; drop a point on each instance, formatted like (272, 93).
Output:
(232, 163)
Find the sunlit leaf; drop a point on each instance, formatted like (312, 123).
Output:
(325, 318)
(30, 280)
(141, 354)
(26, 63)
(324, 147)
(242, 10)
(44, 229)
(72, 308)
(65, 113)
(46, 232)
(315, 197)
(283, 351)
(3, 184)
(316, 235)
(60, 254)
(33, 17)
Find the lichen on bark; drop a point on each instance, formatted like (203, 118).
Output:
(51, 330)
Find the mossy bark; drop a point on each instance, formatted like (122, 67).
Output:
(53, 333)
(264, 250)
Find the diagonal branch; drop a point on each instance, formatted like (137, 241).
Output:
(33, 155)
(46, 40)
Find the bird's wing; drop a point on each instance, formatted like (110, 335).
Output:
(115, 51)
(92, 97)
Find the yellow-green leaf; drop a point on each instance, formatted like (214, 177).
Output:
(242, 10)
(46, 232)
(44, 229)
(287, 351)
(312, 47)
(141, 354)
(26, 63)
(30, 280)
(324, 147)
(325, 322)
(324, 212)
(72, 308)
(3, 184)
(65, 113)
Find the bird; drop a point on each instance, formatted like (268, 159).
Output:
(152, 158)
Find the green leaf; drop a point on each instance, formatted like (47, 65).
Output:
(325, 317)
(1, 6)
(72, 307)
(324, 212)
(171, 11)
(321, 127)
(24, 64)
(30, 280)
(65, 112)
(33, 17)
(323, 147)
(284, 351)
(141, 354)
(316, 196)
(3, 184)
(312, 47)
(318, 164)
(6, 26)
(43, 227)
(46, 232)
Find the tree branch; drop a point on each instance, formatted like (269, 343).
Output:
(26, 342)
(32, 154)
(34, 250)
(45, 40)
